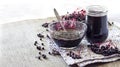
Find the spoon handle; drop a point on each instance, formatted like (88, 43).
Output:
(58, 18)
(57, 15)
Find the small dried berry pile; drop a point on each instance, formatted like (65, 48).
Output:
(54, 52)
(40, 36)
(73, 55)
(107, 48)
(41, 48)
(77, 15)
(45, 25)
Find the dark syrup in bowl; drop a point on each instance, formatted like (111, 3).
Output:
(69, 38)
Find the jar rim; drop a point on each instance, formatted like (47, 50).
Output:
(97, 9)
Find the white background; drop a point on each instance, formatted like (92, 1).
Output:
(16, 10)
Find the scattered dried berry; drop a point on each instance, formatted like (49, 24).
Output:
(73, 55)
(38, 47)
(73, 58)
(40, 35)
(68, 54)
(45, 25)
(44, 56)
(43, 48)
(42, 44)
(47, 30)
(39, 57)
(39, 53)
(49, 53)
(110, 23)
(48, 36)
(78, 57)
(53, 20)
(103, 48)
(41, 39)
(35, 43)
(54, 52)
(89, 45)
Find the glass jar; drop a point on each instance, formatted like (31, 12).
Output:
(96, 19)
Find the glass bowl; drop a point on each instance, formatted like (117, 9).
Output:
(70, 36)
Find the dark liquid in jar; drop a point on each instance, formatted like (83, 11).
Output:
(97, 29)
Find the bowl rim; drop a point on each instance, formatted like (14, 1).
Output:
(81, 22)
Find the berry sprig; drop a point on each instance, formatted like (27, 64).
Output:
(66, 24)
(77, 15)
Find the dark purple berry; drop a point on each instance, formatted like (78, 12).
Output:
(41, 39)
(39, 58)
(89, 45)
(73, 57)
(40, 35)
(78, 57)
(38, 47)
(49, 53)
(96, 46)
(94, 49)
(35, 43)
(43, 48)
(47, 30)
(103, 47)
(68, 54)
(39, 53)
(42, 44)
(107, 47)
(53, 20)
(71, 54)
(44, 56)
(54, 52)
(48, 36)
(45, 25)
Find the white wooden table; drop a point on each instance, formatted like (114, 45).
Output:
(17, 49)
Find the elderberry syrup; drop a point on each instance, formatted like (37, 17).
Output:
(74, 40)
(71, 37)
(96, 19)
